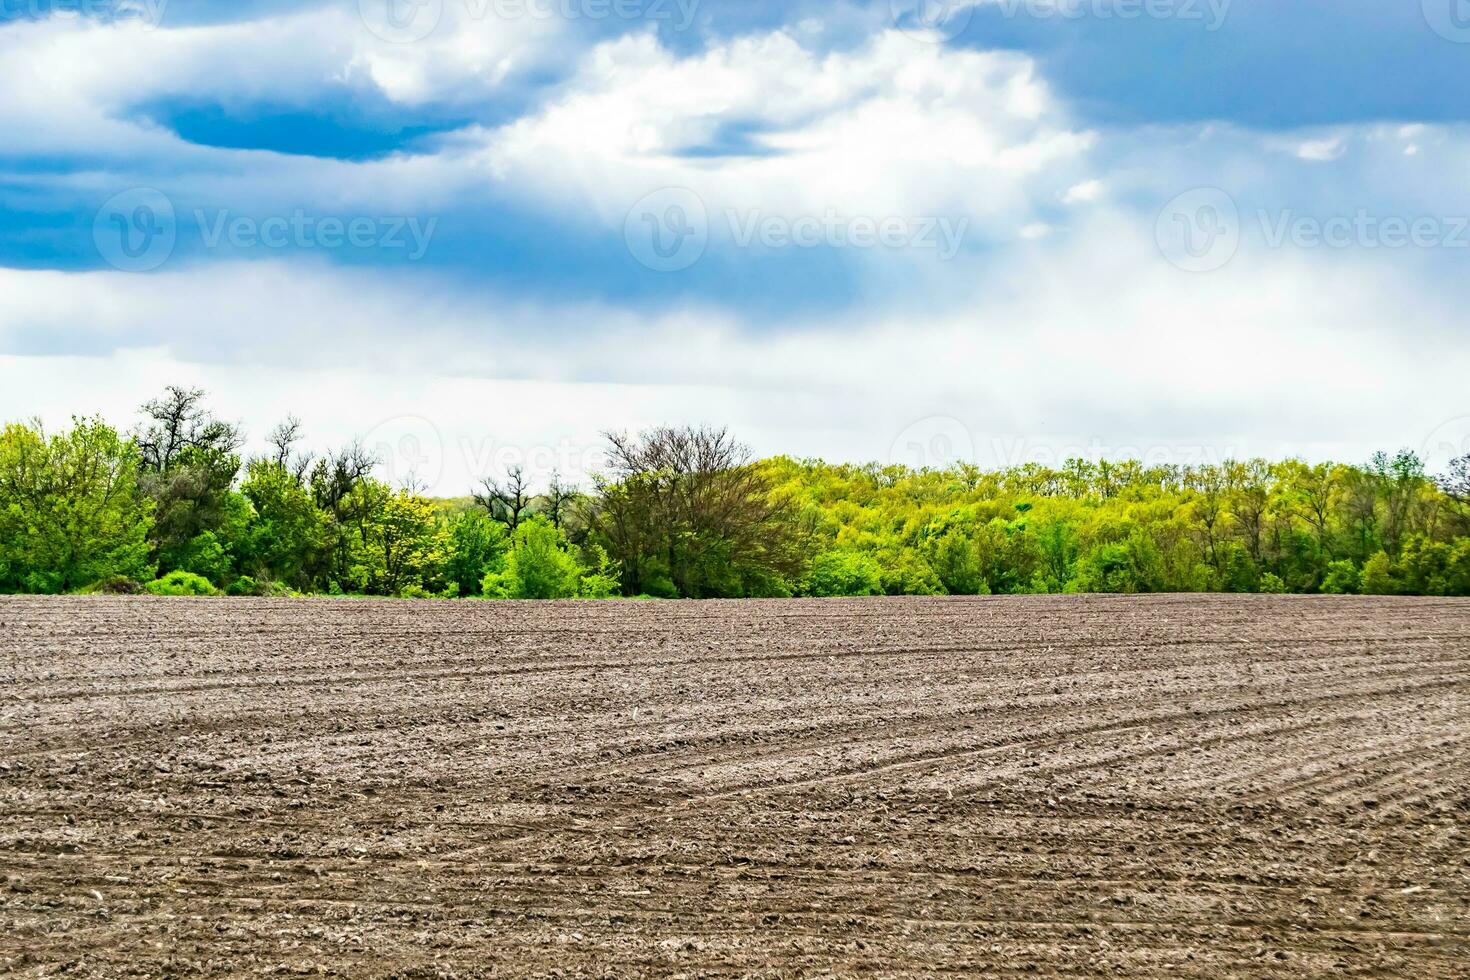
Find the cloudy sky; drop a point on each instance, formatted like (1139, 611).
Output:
(474, 232)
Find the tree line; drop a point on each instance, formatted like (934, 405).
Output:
(173, 507)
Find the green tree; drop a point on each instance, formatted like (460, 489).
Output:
(476, 547)
(539, 565)
(1377, 577)
(287, 534)
(71, 510)
(844, 573)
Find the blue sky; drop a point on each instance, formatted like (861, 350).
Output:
(1007, 230)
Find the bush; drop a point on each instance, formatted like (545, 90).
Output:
(204, 556)
(1127, 566)
(114, 585)
(538, 567)
(844, 573)
(181, 584)
(1342, 579)
(1377, 577)
(1272, 584)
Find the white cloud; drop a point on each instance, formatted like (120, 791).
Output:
(1321, 150)
(898, 127)
(1083, 193)
(83, 77)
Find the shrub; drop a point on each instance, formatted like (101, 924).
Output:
(1342, 579)
(204, 556)
(1272, 584)
(538, 567)
(1131, 565)
(114, 585)
(1377, 577)
(182, 584)
(844, 573)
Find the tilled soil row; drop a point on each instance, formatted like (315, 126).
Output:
(1140, 786)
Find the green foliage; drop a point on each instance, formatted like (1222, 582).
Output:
(287, 535)
(477, 547)
(1341, 579)
(688, 513)
(114, 585)
(244, 585)
(71, 510)
(1272, 584)
(844, 573)
(204, 555)
(182, 584)
(402, 544)
(1377, 576)
(1131, 565)
(539, 565)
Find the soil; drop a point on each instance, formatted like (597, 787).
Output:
(1132, 786)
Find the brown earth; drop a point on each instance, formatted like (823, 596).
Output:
(1166, 786)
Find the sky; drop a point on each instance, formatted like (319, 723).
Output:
(475, 233)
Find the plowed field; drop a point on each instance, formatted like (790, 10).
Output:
(1164, 786)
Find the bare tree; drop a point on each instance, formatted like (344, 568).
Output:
(559, 496)
(178, 422)
(1456, 481)
(1456, 485)
(693, 501)
(337, 474)
(283, 439)
(510, 501)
